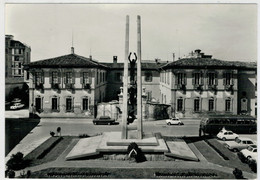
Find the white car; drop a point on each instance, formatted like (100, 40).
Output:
(250, 152)
(16, 100)
(226, 135)
(17, 106)
(174, 121)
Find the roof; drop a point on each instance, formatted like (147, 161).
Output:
(209, 63)
(70, 60)
(144, 65)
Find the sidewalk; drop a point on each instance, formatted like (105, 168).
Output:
(23, 113)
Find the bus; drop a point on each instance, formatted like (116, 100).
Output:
(239, 124)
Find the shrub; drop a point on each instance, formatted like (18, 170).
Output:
(52, 133)
(83, 136)
(238, 173)
(11, 174)
(16, 162)
(241, 157)
(253, 165)
(138, 155)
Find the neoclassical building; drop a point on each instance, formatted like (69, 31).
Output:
(199, 84)
(73, 86)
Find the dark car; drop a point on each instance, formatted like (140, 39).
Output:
(105, 120)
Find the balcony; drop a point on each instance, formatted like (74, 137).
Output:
(69, 86)
(181, 87)
(39, 86)
(86, 86)
(55, 86)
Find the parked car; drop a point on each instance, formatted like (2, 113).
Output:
(239, 144)
(174, 121)
(226, 135)
(106, 120)
(16, 100)
(250, 152)
(17, 106)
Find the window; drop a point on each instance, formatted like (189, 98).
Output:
(148, 77)
(197, 78)
(228, 78)
(85, 104)
(69, 78)
(196, 105)
(16, 58)
(38, 77)
(86, 78)
(68, 104)
(211, 105)
(181, 79)
(211, 78)
(54, 103)
(149, 95)
(179, 104)
(118, 77)
(20, 51)
(55, 78)
(27, 75)
(228, 105)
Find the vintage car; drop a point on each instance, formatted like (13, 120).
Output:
(174, 121)
(105, 120)
(17, 106)
(239, 144)
(226, 135)
(16, 100)
(250, 152)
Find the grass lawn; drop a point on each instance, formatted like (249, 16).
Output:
(213, 156)
(54, 153)
(123, 173)
(16, 129)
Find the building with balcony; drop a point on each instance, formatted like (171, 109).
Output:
(66, 86)
(73, 86)
(202, 85)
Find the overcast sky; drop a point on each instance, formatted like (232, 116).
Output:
(226, 31)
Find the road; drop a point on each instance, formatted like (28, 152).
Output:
(191, 128)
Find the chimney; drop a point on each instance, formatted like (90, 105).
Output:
(90, 57)
(114, 59)
(72, 50)
(173, 56)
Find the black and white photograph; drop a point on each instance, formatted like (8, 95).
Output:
(122, 90)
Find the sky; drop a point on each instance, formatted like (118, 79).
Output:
(226, 31)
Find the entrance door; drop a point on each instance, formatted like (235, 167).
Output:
(38, 104)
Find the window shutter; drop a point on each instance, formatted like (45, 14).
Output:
(64, 78)
(193, 78)
(185, 79)
(50, 77)
(207, 76)
(216, 78)
(90, 76)
(232, 78)
(81, 77)
(59, 77)
(73, 77)
(176, 79)
(34, 77)
(224, 78)
(201, 78)
(42, 78)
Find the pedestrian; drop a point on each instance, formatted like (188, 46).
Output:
(59, 131)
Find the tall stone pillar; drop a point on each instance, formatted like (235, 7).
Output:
(139, 81)
(125, 83)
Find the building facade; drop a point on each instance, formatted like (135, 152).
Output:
(17, 54)
(201, 85)
(66, 86)
(73, 86)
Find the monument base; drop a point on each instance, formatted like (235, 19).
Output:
(111, 142)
